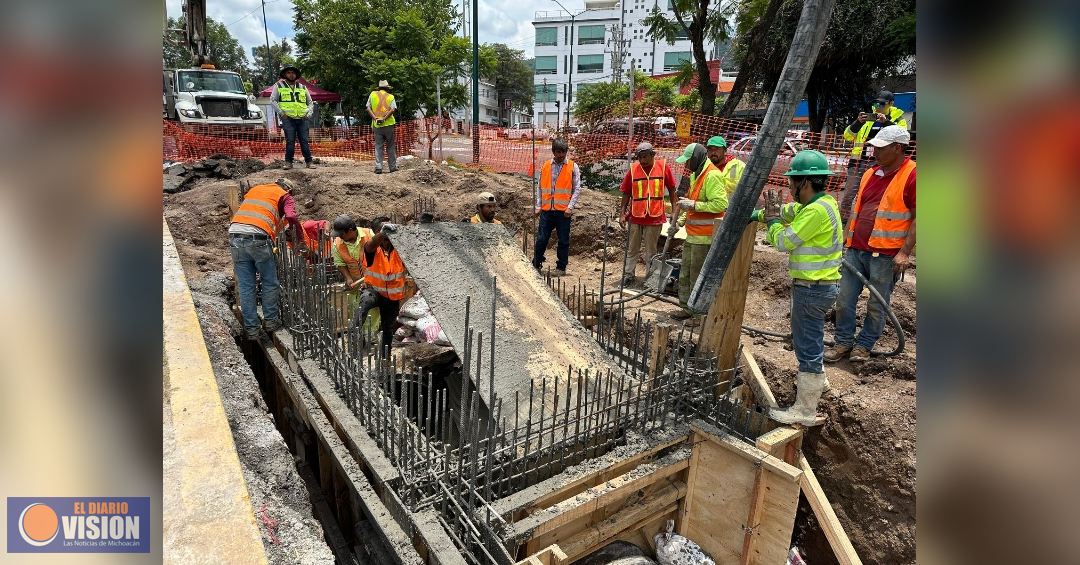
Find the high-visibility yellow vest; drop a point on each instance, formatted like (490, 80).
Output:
(812, 238)
(859, 137)
(294, 99)
(382, 106)
(476, 219)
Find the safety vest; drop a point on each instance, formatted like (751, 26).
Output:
(260, 208)
(817, 258)
(354, 265)
(380, 101)
(732, 172)
(294, 99)
(557, 196)
(701, 223)
(896, 115)
(893, 217)
(476, 219)
(386, 274)
(647, 190)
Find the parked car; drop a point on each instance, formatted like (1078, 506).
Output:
(837, 160)
(526, 131)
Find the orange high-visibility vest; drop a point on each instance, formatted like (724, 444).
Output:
(386, 274)
(352, 264)
(647, 190)
(556, 197)
(701, 223)
(260, 208)
(893, 219)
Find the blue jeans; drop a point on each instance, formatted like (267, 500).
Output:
(250, 256)
(385, 135)
(809, 305)
(552, 220)
(879, 271)
(295, 129)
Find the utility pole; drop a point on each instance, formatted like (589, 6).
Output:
(438, 105)
(570, 67)
(475, 85)
(618, 52)
(544, 100)
(630, 123)
(269, 59)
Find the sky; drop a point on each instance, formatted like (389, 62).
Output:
(500, 21)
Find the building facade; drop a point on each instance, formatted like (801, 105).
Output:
(491, 112)
(591, 36)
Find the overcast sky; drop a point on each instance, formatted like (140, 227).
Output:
(500, 21)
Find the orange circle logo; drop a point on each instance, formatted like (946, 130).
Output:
(38, 524)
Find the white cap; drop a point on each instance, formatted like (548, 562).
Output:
(889, 135)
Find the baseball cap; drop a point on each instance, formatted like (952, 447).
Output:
(889, 135)
(716, 141)
(884, 96)
(343, 224)
(485, 198)
(285, 183)
(686, 154)
(644, 147)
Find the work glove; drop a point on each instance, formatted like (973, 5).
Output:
(687, 204)
(673, 229)
(772, 205)
(757, 215)
(389, 228)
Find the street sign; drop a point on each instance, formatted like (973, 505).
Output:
(682, 125)
(507, 103)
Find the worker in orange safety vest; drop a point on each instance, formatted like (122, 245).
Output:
(644, 205)
(557, 192)
(384, 280)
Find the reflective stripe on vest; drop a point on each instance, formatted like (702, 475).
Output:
(352, 264)
(817, 262)
(380, 106)
(893, 218)
(701, 223)
(895, 115)
(293, 99)
(260, 208)
(557, 196)
(647, 190)
(386, 274)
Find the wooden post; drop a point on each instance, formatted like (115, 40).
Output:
(723, 324)
(658, 349)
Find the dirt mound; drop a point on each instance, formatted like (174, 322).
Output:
(182, 176)
(428, 174)
(901, 367)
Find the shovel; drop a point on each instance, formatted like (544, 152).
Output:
(659, 270)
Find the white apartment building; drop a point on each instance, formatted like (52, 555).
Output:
(489, 109)
(592, 47)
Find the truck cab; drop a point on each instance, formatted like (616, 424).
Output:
(208, 96)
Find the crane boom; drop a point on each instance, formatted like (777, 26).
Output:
(195, 31)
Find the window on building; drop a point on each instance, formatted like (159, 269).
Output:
(547, 65)
(680, 33)
(566, 35)
(590, 35)
(673, 59)
(590, 63)
(547, 36)
(544, 93)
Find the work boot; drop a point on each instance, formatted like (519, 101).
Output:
(681, 314)
(393, 169)
(272, 326)
(378, 171)
(859, 355)
(808, 391)
(288, 165)
(836, 353)
(628, 280)
(558, 273)
(309, 165)
(252, 335)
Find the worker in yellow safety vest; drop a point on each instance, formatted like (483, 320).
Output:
(645, 189)
(348, 255)
(704, 205)
(384, 280)
(294, 106)
(252, 232)
(882, 114)
(381, 106)
(557, 192)
(485, 209)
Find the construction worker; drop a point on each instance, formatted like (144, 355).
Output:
(293, 103)
(266, 207)
(311, 231)
(866, 126)
(704, 204)
(643, 205)
(879, 242)
(557, 191)
(384, 280)
(381, 106)
(730, 167)
(485, 209)
(347, 253)
(809, 230)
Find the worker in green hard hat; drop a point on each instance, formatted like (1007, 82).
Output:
(730, 167)
(703, 207)
(809, 230)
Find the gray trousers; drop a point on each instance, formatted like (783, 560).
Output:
(639, 234)
(385, 135)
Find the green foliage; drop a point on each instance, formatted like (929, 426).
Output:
(264, 73)
(689, 102)
(605, 174)
(700, 21)
(224, 50)
(592, 99)
(351, 46)
(512, 76)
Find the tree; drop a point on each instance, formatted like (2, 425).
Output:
(594, 102)
(264, 73)
(865, 43)
(699, 20)
(512, 76)
(752, 26)
(224, 50)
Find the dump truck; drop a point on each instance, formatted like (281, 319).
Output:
(206, 95)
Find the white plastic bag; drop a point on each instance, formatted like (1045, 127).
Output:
(415, 308)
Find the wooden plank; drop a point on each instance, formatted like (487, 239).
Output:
(756, 380)
(658, 349)
(746, 451)
(691, 483)
(550, 555)
(776, 442)
(753, 517)
(723, 324)
(643, 510)
(830, 524)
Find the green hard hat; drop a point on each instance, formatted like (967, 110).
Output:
(808, 163)
(686, 154)
(716, 141)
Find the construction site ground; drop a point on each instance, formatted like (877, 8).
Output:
(864, 455)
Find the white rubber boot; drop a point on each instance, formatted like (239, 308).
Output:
(807, 393)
